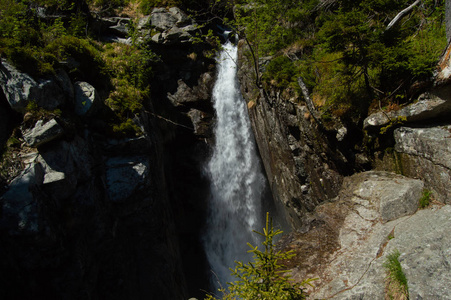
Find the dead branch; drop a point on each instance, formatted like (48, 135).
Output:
(401, 14)
(309, 102)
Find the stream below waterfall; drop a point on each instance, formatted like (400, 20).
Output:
(237, 182)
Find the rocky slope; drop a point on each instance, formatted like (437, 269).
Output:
(345, 226)
(87, 215)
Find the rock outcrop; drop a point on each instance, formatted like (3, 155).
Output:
(42, 133)
(102, 217)
(376, 213)
(301, 166)
(419, 146)
(354, 233)
(428, 107)
(20, 88)
(86, 99)
(167, 26)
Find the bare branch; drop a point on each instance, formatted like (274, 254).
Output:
(401, 14)
(309, 102)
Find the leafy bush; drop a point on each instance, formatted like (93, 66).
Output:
(266, 277)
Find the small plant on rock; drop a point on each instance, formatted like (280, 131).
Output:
(425, 199)
(395, 281)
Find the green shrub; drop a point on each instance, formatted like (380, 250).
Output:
(32, 60)
(425, 49)
(125, 99)
(280, 72)
(130, 71)
(266, 277)
(85, 56)
(127, 128)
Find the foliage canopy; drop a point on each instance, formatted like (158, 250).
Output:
(346, 44)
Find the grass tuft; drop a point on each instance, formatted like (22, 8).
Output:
(396, 282)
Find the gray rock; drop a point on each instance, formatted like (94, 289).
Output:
(424, 242)
(341, 133)
(71, 158)
(86, 99)
(20, 89)
(176, 35)
(201, 122)
(432, 143)
(172, 24)
(426, 153)
(144, 23)
(125, 176)
(19, 209)
(49, 94)
(64, 82)
(157, 38)
(181, 18)
(355, 270)
(394, 195)
(55, 183)
(162, 19)
(195, 96)
(429, 107)
(43, 133)
(118, 25)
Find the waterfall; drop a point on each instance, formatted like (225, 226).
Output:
(237, 183)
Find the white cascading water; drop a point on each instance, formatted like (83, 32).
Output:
(237, 182)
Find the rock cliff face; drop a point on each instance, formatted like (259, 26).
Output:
(87, 215)
(347, 225)
(302, 166)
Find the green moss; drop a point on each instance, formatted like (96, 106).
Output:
(393, 123)
(398, 167)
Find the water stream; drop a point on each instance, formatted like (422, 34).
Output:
(237, 182)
